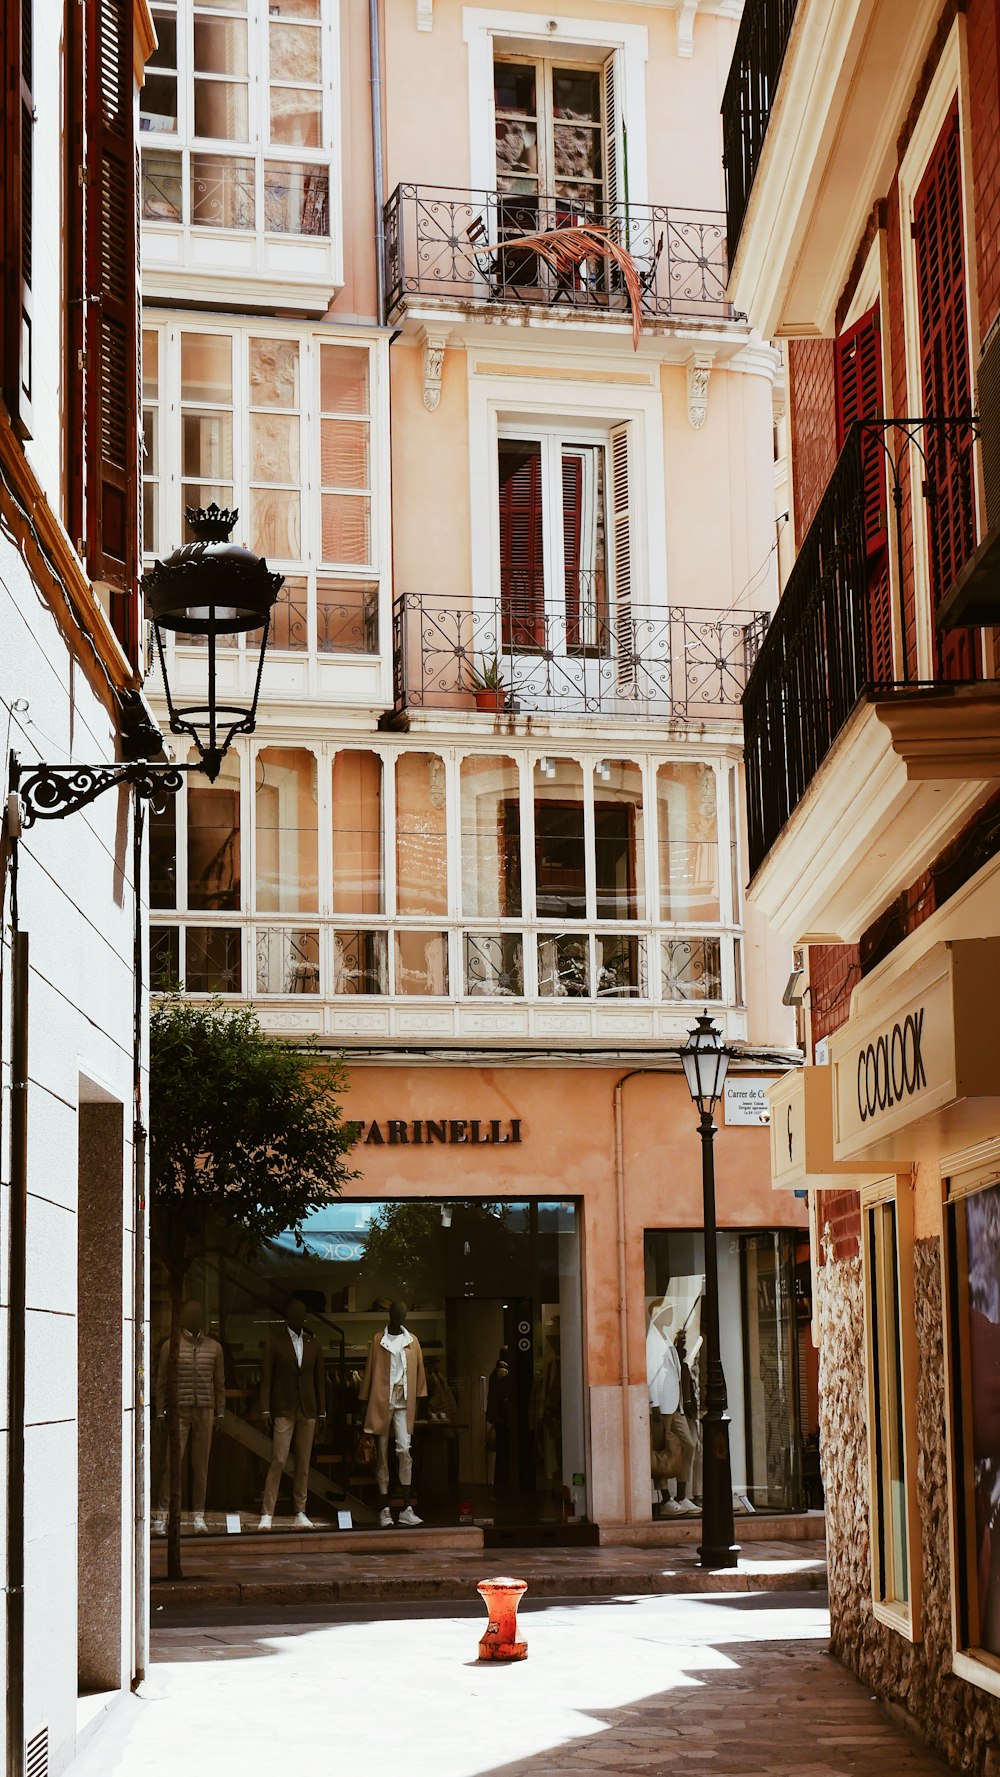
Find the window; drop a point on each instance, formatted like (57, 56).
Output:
(553, 545)
(550, 137)
(858, 374)
(287, 822)
(357, 833)
(687, 817)
(281, 427)
(973, 1260)
(619, 850)
(491, 838)
(890, 1577)
(421, 840)
(195, 867)
(223, 148)
(560, 841)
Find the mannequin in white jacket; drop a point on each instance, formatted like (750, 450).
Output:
(663, 1378)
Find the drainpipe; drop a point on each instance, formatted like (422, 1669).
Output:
(623, 1280)
(15, 1355)
(140, 1530)
(378, 174)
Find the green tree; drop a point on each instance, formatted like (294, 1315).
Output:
(246, 1135)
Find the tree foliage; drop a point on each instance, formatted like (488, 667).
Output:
(246, 1136)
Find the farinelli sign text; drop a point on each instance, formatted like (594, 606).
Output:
(891, 1068)
(475, 1132)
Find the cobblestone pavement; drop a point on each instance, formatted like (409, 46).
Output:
(701, 1686)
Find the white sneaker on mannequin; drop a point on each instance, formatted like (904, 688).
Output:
(302, 1522)
(408, 1518)
(159, 1525)
(198, 1523)
(385, 1519)
(265, 1521)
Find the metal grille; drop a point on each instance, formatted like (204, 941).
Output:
(748, 101)
(36, 1755)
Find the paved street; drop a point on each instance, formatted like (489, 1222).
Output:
(733, 1685)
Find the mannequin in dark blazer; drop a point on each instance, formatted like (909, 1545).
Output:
(292, 1398)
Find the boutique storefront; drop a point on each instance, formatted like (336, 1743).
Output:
(541, 1227)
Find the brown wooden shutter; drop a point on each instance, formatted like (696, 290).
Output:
(18, 210)
(522, 578)
(858, 378)
(110, 326)
(946, 377)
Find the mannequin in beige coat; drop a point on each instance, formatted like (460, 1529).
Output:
(392, 1384)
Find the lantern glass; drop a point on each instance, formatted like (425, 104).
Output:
(705, 1060)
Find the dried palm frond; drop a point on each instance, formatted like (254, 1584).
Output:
(571, 244)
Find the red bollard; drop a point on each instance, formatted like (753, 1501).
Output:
(501, 1598)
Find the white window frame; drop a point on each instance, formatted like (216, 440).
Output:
(265, 266)
(486, 32)
(309, 565)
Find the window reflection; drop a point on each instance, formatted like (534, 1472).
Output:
(619, 850)
(422, 962)
(421, 835)
(688, 841)
(491, 838)
(357, 833)
(287, 866)
(213, 841)
(560, 849)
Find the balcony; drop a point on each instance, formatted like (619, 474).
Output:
(687, 664)
(459, 250)
(856, 776)
(814, 103)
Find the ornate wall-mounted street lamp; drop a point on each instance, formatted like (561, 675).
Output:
(209, 588)
(705, 1060)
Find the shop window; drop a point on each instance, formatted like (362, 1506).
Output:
(887, 1438)
(560, 844)
(357, 833)
(973, 1258)
(493, 964)
(421, 836)
(421, 960)
(360, 963)
(691, 969)
(287, 821)
(564, 966)
(213, 843)
(687, 817)
(287, 960)
(491, 838)
(619, 848)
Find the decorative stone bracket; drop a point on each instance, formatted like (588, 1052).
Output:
(434, 349)
(685, 26)
(425, 15)
(699, 368)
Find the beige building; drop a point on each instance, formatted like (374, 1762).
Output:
(489, 836)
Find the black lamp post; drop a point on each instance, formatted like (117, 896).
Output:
(706, 1062)
(208, 588)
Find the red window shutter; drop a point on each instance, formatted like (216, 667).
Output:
(18, 202)
(576, 593)
(110, 337)
(858, 381)
(946, 375)
(522, 580)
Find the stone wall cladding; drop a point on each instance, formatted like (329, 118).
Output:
(957, 1719)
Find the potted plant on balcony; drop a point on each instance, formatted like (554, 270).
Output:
(487, 684)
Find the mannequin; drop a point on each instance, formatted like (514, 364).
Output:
(201, 1388)
(292, 1398)
(663, 1378)
(498, 1417)
(393, 1382)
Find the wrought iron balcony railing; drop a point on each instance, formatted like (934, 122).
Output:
(830, 642)
(464, 245)
(748, 100)
(684, 664)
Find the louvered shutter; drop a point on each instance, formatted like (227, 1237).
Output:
(621, 547)
(613, 148)
(522, 580)
(110, 244)
(579, 598)
(946, 377)
(858, 375)
(18, 202)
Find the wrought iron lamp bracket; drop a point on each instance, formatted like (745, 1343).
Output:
(48, 792)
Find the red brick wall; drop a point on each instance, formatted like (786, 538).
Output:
(833, 971)
(983, 26)
(839, 1215)
(812, 405)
